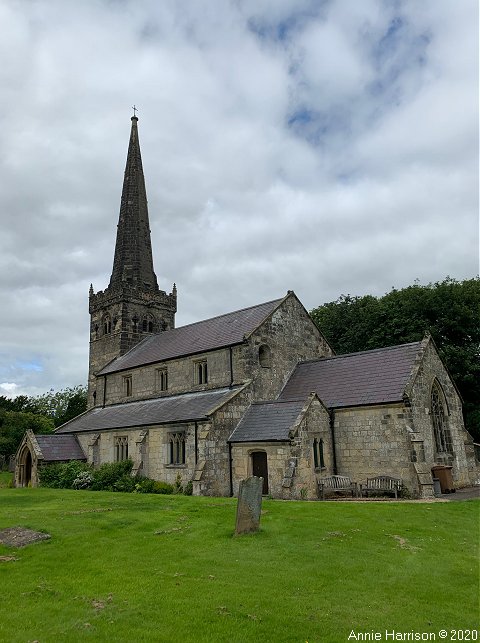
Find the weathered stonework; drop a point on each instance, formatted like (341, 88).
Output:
(233, 401)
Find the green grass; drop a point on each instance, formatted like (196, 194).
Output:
(313, 573)
(5, 479)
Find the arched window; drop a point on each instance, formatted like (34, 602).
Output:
(147, 324)
(265, 356)
(107, 325)
(176, 443)
(318, 456)
(439, 414)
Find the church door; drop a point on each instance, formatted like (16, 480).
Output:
(28, 469)
(260, 469)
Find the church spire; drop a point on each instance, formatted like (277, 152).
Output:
(133, 263)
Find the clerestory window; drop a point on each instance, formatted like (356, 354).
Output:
(161, 379)
(201, 372)
(127, 385)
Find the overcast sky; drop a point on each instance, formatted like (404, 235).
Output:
(320, 146)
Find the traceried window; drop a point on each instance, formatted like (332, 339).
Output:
(127, 385)
(443, 439)
(176, 447)
(318, 457)
(161, 379)
(121, 448)
(201, 372)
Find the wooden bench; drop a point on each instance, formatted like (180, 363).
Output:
(381, 484)
(333, 484)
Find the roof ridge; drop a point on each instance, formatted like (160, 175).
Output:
(277, 401)
(240, 310)
(370, 350)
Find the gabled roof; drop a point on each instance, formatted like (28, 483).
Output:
(218, 332)
(59, 448)
(164, 410)
(357, 379)
(268, 421)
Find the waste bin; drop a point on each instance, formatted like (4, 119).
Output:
(444, 475)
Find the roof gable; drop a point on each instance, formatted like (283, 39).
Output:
(210, 334)
(357, 379)
(268, 421)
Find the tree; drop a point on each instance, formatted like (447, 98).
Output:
(448, 310)
(61, 405)
(41, 414)
(13, 425)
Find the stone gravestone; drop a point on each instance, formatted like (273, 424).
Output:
(249, 505)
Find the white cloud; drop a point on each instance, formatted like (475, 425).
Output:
(315, 146)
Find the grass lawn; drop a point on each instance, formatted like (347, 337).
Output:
(134, 567)
(5, 478)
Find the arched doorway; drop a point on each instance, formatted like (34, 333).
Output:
(25, 468)
(260, 468)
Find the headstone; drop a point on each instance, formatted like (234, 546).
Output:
(249, 505)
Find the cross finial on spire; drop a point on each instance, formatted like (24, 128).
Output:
(135, 110)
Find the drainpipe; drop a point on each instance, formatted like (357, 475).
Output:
(331, 413)
(230, 466)
(231, 367)
(104, 390)
(196, 443)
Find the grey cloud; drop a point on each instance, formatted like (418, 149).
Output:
(372, 189)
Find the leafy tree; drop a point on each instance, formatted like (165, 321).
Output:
(13, 425)
(449, 310)
(41, 414)
(61, 405)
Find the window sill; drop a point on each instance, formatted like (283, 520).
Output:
(176, 466)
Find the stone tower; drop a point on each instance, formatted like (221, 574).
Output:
(132, 306)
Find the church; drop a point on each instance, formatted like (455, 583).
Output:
(257, 391)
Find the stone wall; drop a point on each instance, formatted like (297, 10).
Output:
(374, 440)
(291, 465)
(465, 470)
(291, 337)
(148, 447)
(181, 377)
(213, 478)
(126, 308)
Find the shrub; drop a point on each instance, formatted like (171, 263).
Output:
(83, 480)
(188, 488)
(105, 477)
(144, 485)
(163, 487)
(125, 483)
(62, 475)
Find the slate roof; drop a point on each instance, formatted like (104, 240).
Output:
(59, 447)
(199, 337)
(268, 421)
(356, 379)
(164, 410)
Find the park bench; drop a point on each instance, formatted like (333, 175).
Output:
(332, 484)
(381, 484)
